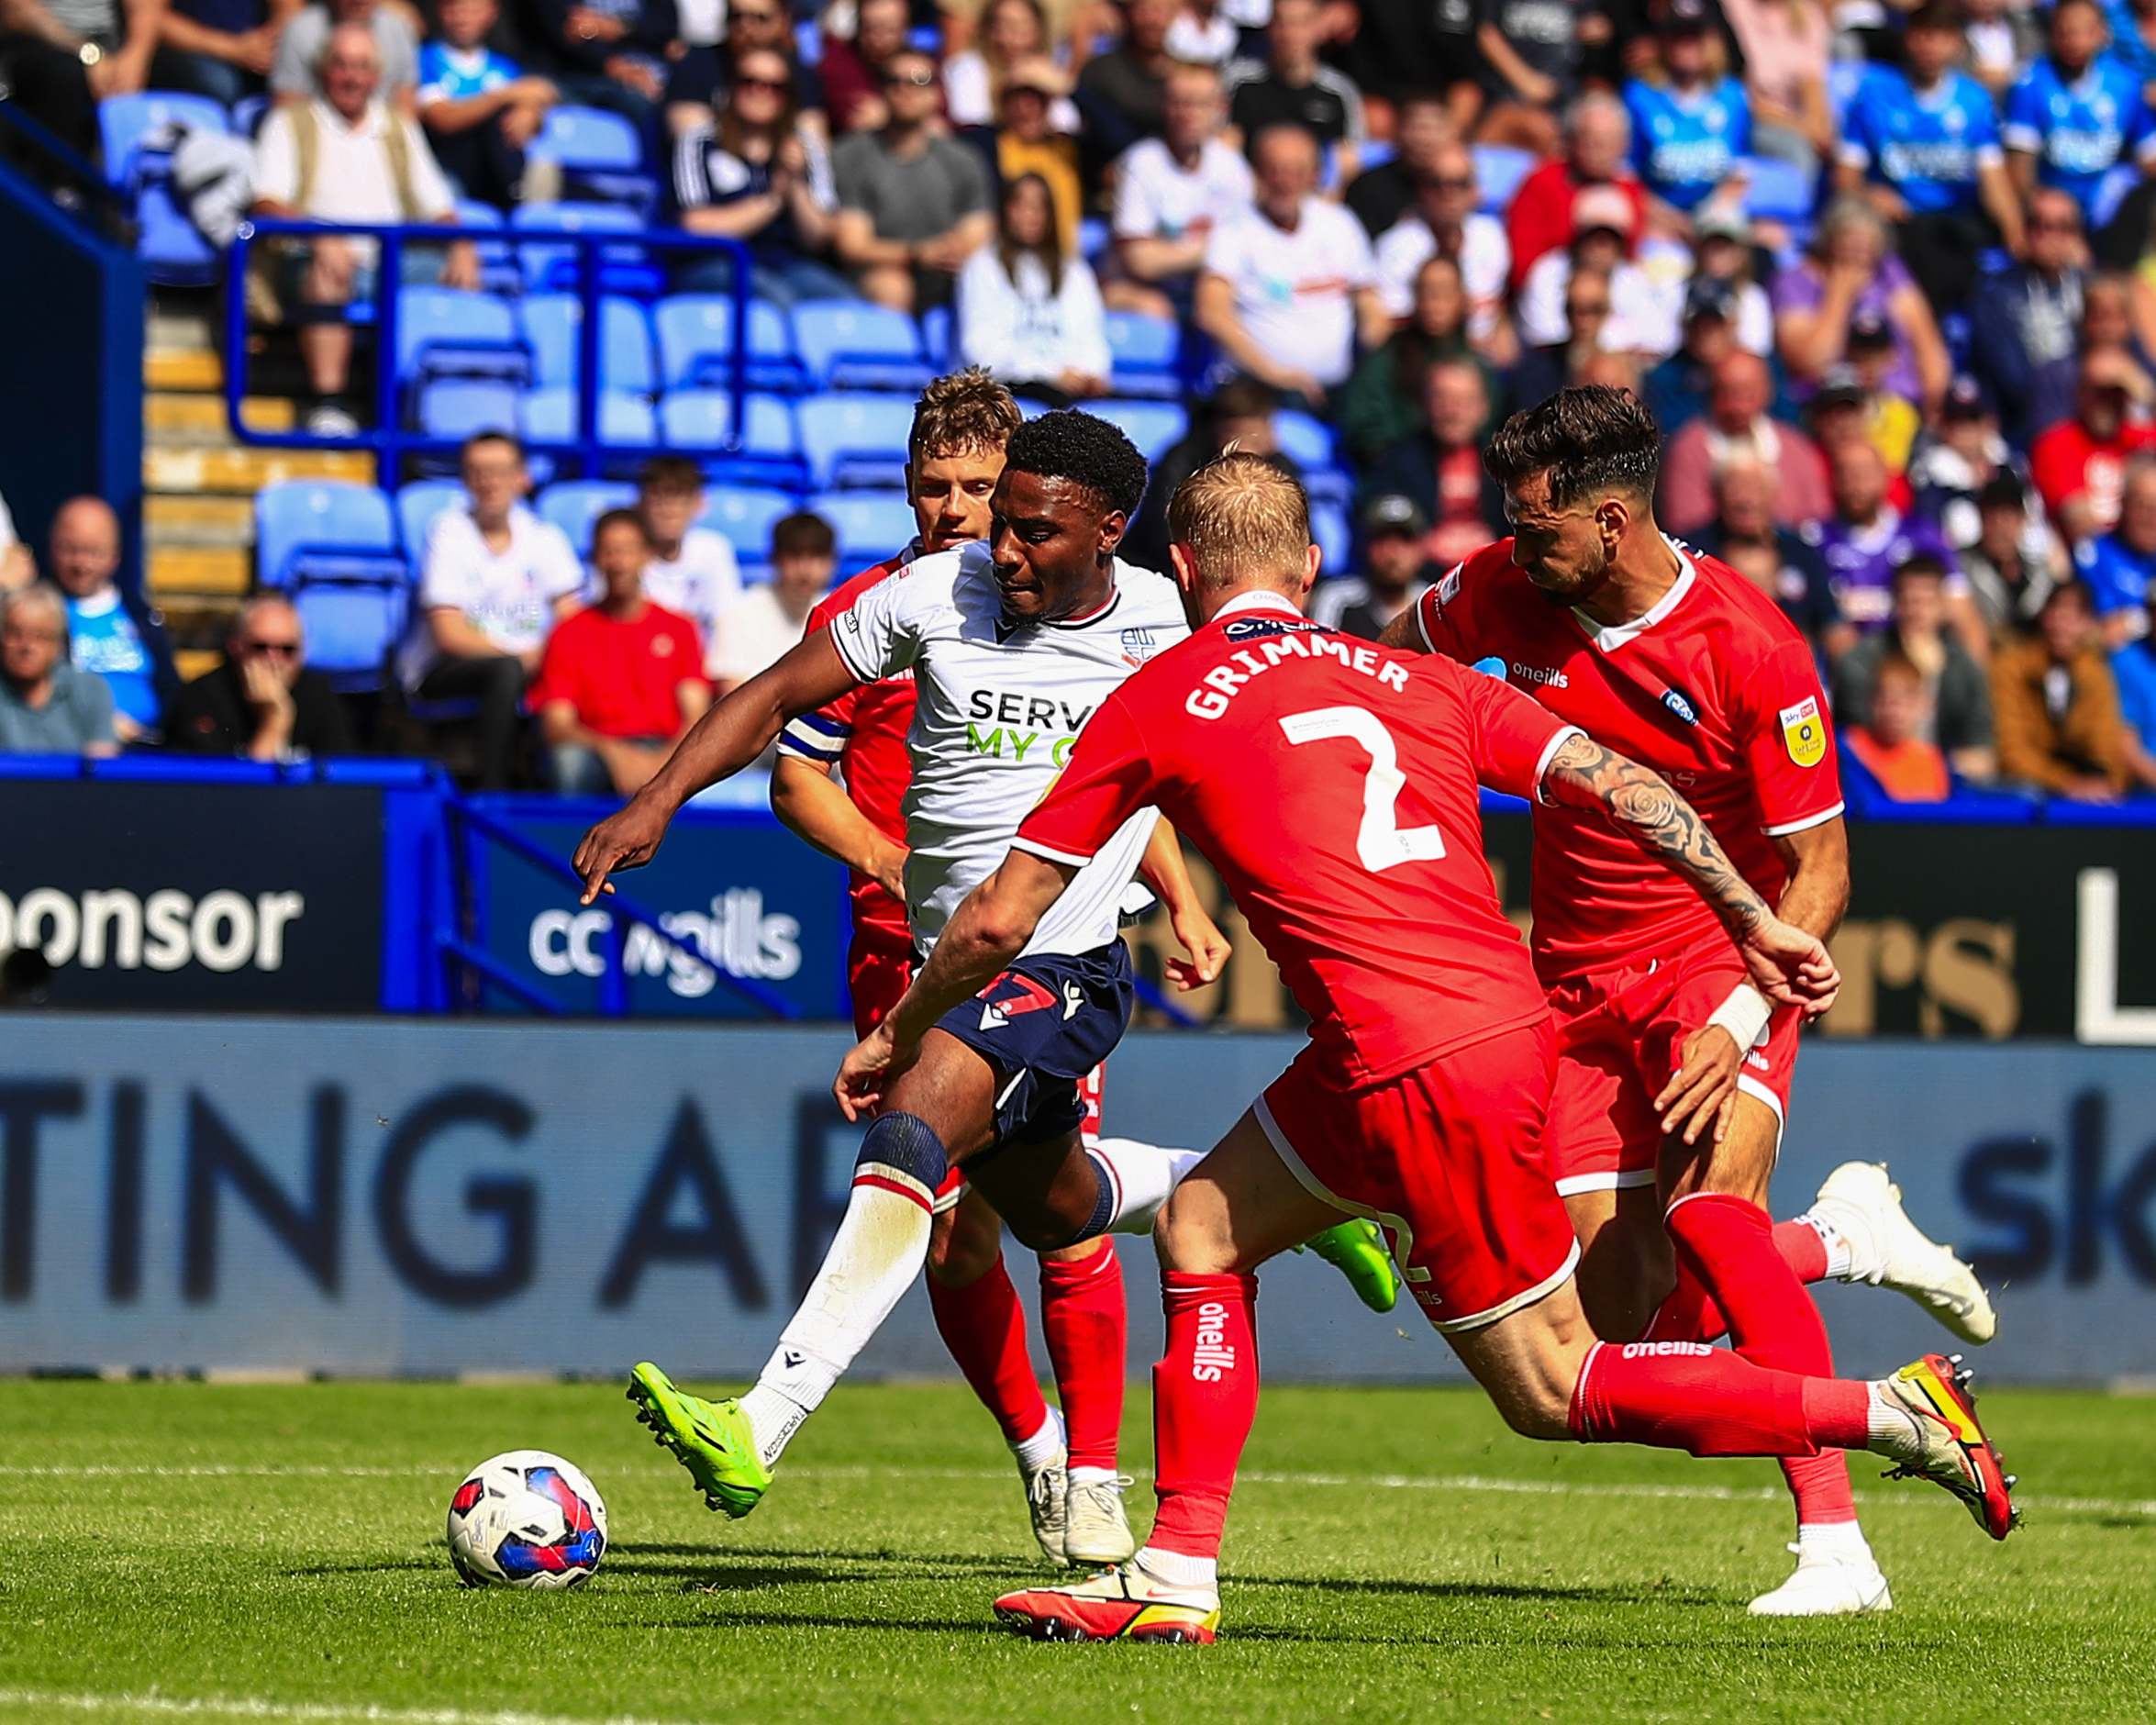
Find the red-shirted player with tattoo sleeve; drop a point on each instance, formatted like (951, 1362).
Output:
(1673, 1074)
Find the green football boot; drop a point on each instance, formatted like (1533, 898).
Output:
(1357, 1250)
(712, 1439)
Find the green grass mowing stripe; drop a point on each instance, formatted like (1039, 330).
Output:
(251, 1706)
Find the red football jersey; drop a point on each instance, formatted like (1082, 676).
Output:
(622, 679)
(862, 733)
(1332, 783)
(1714, 688)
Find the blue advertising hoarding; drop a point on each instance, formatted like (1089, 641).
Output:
(382, 1197)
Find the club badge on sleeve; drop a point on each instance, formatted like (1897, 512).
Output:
(1804, 732)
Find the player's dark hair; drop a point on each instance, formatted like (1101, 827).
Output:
(621, 518)
(1086, 451)
(802, 535)
(966, 413)
(1590, 440)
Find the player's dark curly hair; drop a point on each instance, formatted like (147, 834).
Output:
(1087, 451)
(1591, 440)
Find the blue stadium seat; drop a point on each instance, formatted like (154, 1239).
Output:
(138, 133)
(1498, 170)
(552, 326)
(1328, 532)
(704, 418)
(696, 341)
(417, 505)
(574, 504)
(329, 516)
(1779, 191)
(1154, 427)
(1310, 443)
(845, 344)
(744, 515)
(936, 337)
(601, 155)
(248, 115)
(626, 421)
(458, 407)
(1146, 351)
(444, 333)
(623, 269)
(871, 525)
(855, 440)
(1094, 236)
(498, 270)
(352, 623)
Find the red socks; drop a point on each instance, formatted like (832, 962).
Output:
(1729, 1247)
(1686, 1396)
(1689, 1315)
(1205, 1398)
(985, 1328)
(1083, 1318)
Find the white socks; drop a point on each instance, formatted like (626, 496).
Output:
(1841, 1266)
(1173, 1569)
(1834, 1542)
(1139, 1178)
(1037, 1451)
(878, 1252)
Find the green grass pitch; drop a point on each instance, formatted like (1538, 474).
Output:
(275, 1553)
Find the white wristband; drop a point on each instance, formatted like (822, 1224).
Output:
(1744, 1015)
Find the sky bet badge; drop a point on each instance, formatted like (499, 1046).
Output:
(1804, 732)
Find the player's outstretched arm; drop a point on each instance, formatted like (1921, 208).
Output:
(1791, 966)
(984, 933)
(1164, 871)
(726, 739)
(805, 797)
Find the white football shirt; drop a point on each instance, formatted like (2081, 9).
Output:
(1155, 199)
(999, 710)
(1295, 293)
(507, 597)
(701, 583)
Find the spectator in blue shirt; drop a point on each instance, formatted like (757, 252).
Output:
(480, 110)
(2133, 669)
(114, 634)
(2120, 567)
(1689, 136)
(1924, 147)
(2077, 115)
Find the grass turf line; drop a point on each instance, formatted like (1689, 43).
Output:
(275, 1553)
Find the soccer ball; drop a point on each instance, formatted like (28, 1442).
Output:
(526, 1518)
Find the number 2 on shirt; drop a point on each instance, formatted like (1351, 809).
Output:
(1381, 843)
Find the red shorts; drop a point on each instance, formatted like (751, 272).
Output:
(1620, 1037)
(1448, 1160)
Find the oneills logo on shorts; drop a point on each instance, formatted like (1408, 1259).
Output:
(1804, 732)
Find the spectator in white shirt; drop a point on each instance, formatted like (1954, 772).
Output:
(769, 621)
(1010, 33)
(1445, 220)
(1027, 315)
(493, 581)
(1172, 192)
(692, 570)
(1289, 284)
(344, 157)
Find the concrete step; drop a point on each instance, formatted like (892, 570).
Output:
(171, 329)
(201, 570)
(211, 521)
(194, 369)
(244, 472)
(196, 626)
(173, 419)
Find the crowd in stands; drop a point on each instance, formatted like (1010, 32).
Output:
(1883, 272)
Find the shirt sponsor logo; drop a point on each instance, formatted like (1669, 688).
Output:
(1543, 676)
(1674, 699)
(1804, 732)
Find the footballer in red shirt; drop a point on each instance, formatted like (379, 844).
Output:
(1334, 785)
(1673, 1074)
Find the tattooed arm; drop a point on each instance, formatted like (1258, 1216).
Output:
(1790, 967)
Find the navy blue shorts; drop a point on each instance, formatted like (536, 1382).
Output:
(1043, 1025)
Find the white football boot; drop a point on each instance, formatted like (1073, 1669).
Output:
(1887, 1250)
(1096, 1530)
(1827, 1584)
(1047, 1497)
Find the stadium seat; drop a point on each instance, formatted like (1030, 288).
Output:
(353, 622)
(553, 326)
(1779, 190)
(1329, 533)
(498, 271)
(1145, 351)
(626, 421)
(696, 341)
(936, 337)
(441, 332)
(1498, 170)
(547, 268)
(139, 133)
(574, 504)
(1310, 445)
(849, 345)
(601, 154)
(309, 515)
(1155, 427)
(458, 407)
(744, 515)
(248, 115)
(704, 419)
(871, 525)
(417, 505)
(855, 440)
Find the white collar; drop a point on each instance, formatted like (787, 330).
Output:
(1609, 637)
(1258, 599)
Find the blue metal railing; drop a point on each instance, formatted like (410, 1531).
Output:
(389, 438)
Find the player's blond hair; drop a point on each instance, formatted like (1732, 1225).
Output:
(1241, 517)
(964, 414)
